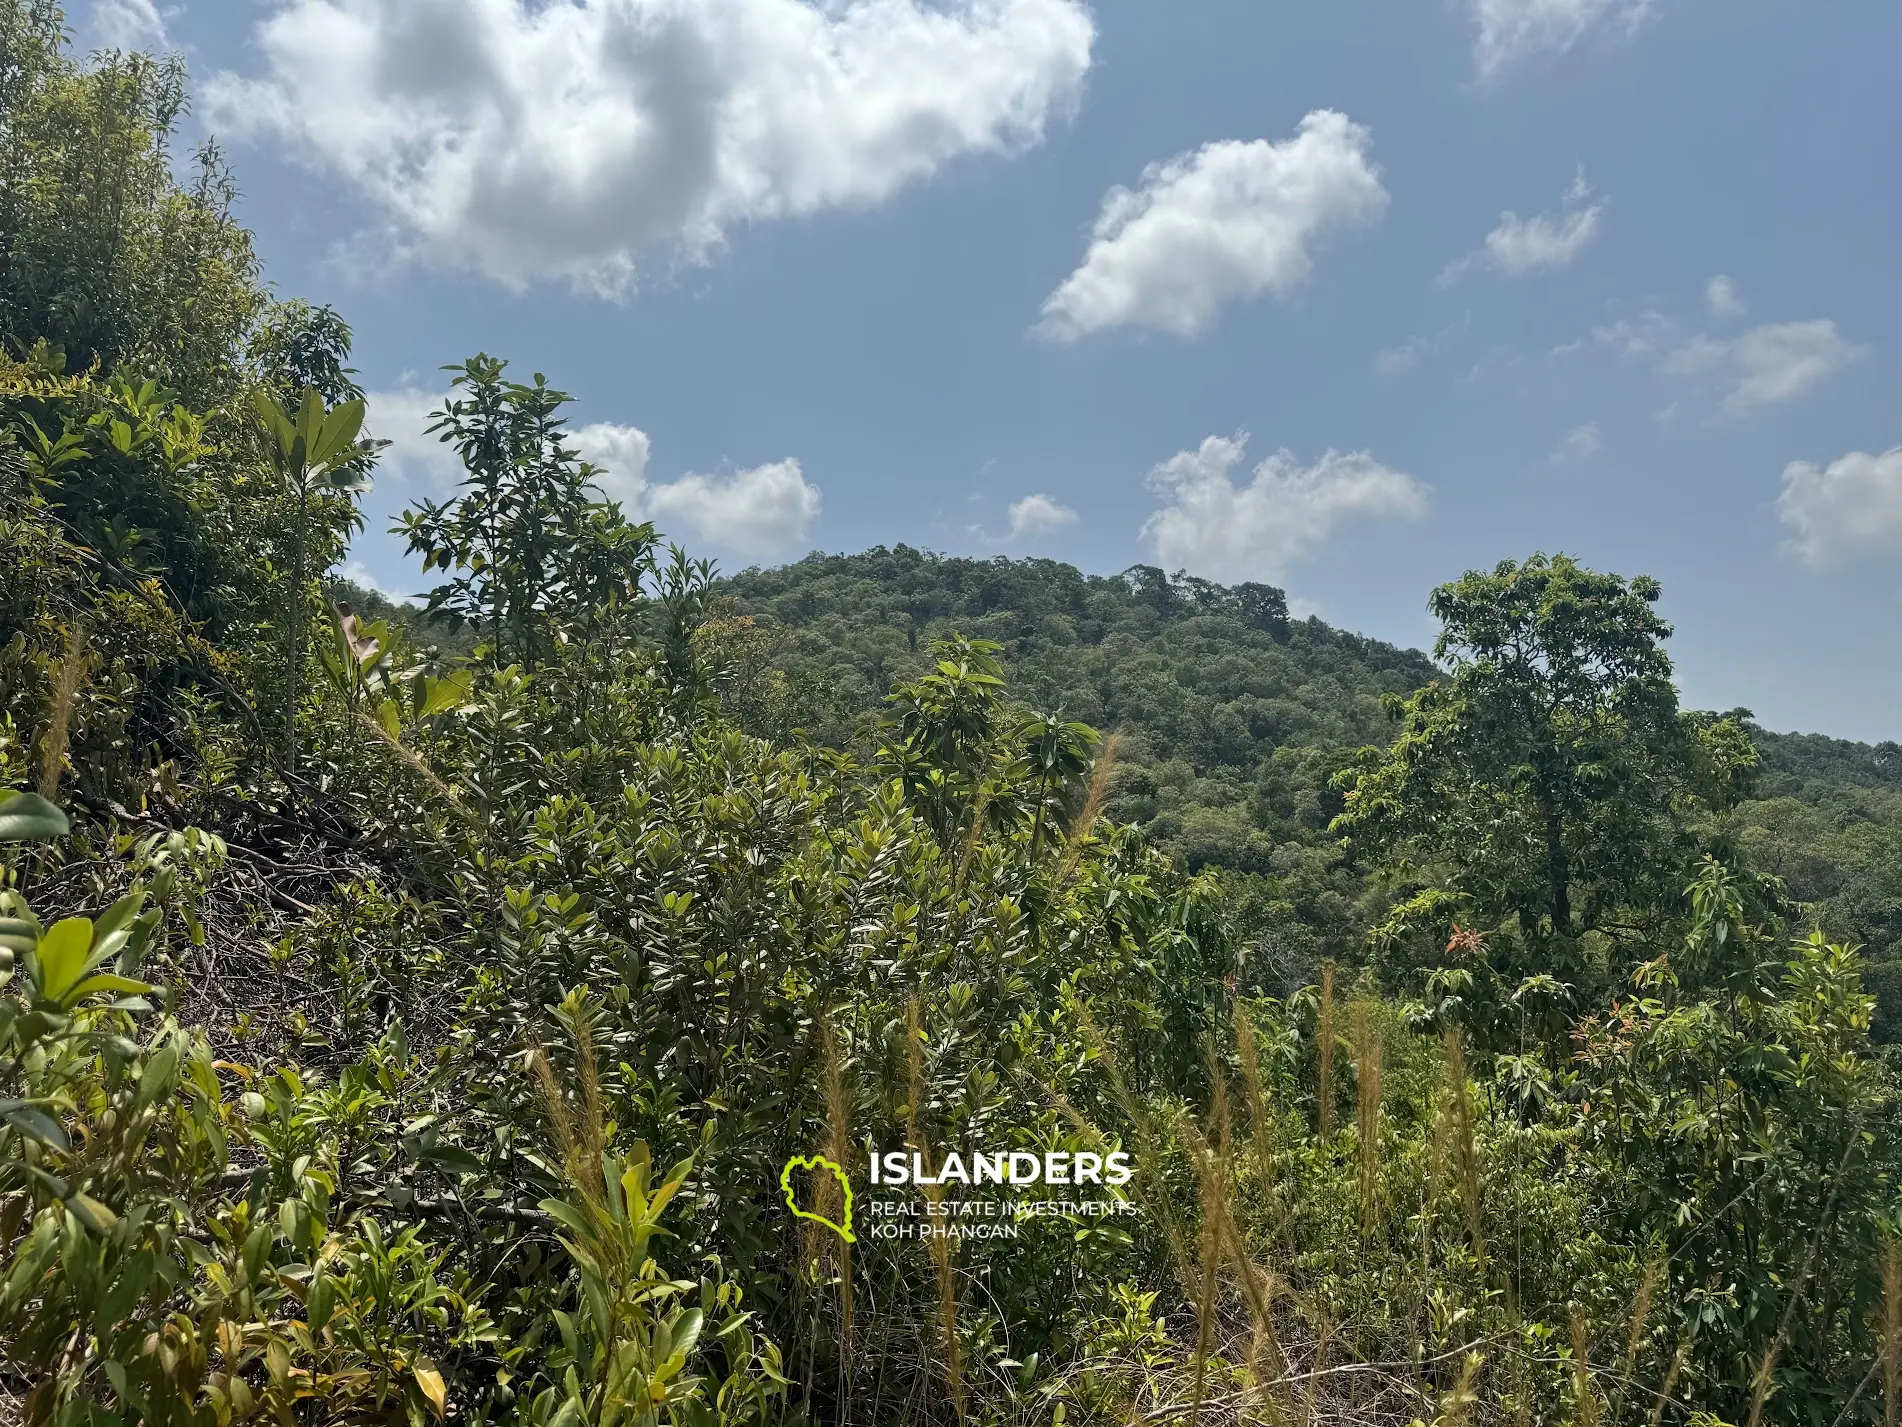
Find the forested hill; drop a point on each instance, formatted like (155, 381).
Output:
(1231, 713)
(1234, 717)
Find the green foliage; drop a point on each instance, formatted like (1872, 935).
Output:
(334, 1083)
(534, 548)
(314, 453)
(104, 250)
(1232, 717)
(1553, 769)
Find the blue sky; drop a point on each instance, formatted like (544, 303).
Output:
(1475, 277)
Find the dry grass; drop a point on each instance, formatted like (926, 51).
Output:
(1367, 1063)
(1585, 1407)
(73, 669)
(1091, 810)
(938, 1244)
(579, 1130)
(1152, 1188)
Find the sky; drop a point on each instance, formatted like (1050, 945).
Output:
(1348, 296)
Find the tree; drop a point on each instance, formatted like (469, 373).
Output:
(1551, 778)
(530, 539)
(315, 453)
(942, 733)
(103, 253)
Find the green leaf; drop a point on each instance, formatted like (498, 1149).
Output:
(116, 919)
(120, 1299)
(453, 1158)
(29, 1119)
(570, 1217)
(27, 817)
(17, 935)
(337, 433)
(687, 1331)
(62, 954)
(106, 981)
(450, 692)
(92, 1213)
(276, 420)
(320, 1301)
(156, 1077)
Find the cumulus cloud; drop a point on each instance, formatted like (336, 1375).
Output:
(1737, 375)
(1510, 31)
(1851, 504)
(1225, 531)
(584, 141)
(128, 25)
(1766, 365)
(402, 417)
(1232, 220)
(1519, 246)
(1580, 444)
(621, 452)
(1722, 298)
(762, 511)
(1038, 515)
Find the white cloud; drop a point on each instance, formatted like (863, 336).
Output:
(1515, 30)
(1580, 444)
(762, 511)
(621, 453)
(1722, 297)
(1633, 337)
(1038, 515)
(1229, 221)
(576, 141)
(1227, 532)
(402, 417)
(1523, 245)
(128, 25)
(1519, 246)
(1852, 503)
(1766, 365)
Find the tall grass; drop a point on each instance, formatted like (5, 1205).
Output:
(1462, 1142)
(1892, 1332)
(67, 682)
(938, 1244)
(1367, 1059)
(1092, 808)
(837, 1147)
(1324, 1057)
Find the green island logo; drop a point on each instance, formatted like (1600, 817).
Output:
(818, 1161)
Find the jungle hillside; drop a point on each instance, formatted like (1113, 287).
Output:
(430, 1013)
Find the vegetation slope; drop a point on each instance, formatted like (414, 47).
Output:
(407, 1029)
